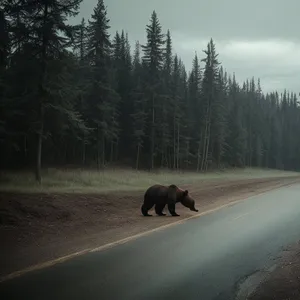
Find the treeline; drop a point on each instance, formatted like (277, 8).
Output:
(76, 95)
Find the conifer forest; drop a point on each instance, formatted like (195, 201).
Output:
(79, 95)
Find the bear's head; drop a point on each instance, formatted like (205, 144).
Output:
(188, 201)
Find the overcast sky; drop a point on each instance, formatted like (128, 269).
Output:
(253, 38)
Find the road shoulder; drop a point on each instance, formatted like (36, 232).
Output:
(284, 281)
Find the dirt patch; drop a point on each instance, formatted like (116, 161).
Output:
(284, 282)
(35, 228)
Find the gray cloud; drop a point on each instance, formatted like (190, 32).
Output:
(256, 38)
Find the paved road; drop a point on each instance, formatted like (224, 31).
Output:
(204, 258)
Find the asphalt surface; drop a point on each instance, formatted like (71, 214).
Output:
(204, 258)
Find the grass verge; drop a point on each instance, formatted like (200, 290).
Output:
(90, 181)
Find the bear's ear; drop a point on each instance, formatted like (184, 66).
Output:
(185, 192)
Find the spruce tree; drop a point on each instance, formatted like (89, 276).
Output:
(153, 60)
(220, 119)
(209, 96)
(4, 56)
(236, 138)
(41, 39)
(82, 72)
(195, 110)
(103, 100)
(165, 105)
(139, 114)
(123, 70)
(4, 41)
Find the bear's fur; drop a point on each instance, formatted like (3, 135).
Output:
(160, 196)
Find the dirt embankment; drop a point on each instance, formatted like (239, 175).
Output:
(284, 282)
(35, 228)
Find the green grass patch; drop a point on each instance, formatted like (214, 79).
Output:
(91, 181)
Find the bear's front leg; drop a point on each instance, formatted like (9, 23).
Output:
(159, 209)
(171, 207)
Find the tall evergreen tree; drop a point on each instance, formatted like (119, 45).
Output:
(80, 41)
(220, 119)
(82, 72)
(165, 105)
(153, 60)
(195, 109)
(123, 70)
(236, 138)
(102, 100)
(4, 40)
(209, 96)
(4, 54)
(139, 114)
(42, 37)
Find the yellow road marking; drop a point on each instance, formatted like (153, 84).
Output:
(125, 240)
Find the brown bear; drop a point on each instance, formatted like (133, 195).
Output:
(160, 196)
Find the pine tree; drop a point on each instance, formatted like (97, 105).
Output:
(123, 70)
(183, 134)
(209, 95)
(168, 62)
(195, 109)
(80, 48)
(103, 100)
(42, 37)
(220, 119)
(236, 138)
(165, 105)
(139, 114)
(80, 41)
(4, 56)
(153, 61)
(12, 108)
(117, 50)
(176, 112)
(4, 41)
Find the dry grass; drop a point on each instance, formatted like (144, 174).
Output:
(90, 181)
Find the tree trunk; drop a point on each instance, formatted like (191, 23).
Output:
(152, 133)
(170, 158)
(41, 100)
(204, 144)
(250, 144)
(178, 145)
(98, 147)
(208, 138)
(25, 147)
(162, 159)
(83, 152)
(38, 176)
(103, 150)
(207, 148)
(174, 140)
(187, 153)
(117, 150)
(111, 151)
(199, 153)
(137, 157)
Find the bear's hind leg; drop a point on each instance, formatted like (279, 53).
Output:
(145, 209)
(159, 209)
